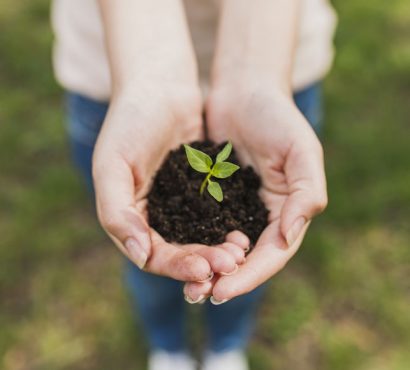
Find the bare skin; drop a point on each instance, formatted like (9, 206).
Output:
(156, 106)
(251, 104)
(288, 157)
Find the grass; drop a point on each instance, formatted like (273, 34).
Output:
(342, 303)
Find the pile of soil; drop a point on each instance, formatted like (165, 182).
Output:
(180, 214)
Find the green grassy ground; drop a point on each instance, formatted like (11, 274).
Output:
(343, 302)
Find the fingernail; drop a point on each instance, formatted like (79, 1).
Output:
(247, 249)
(209, 278)
(216, 302)
(198, 300)
(232, 272)
(295, 230)
(136, 252)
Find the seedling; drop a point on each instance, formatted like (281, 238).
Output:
(203, 163)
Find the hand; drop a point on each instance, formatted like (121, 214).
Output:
(270, 134)
(155, 107)
(134, 140)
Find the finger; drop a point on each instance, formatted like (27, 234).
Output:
(220, 260)
(115, 201)
(239, 238)
(267, 258)
(235, 251)
(305, 175)
(178, 263)
(198, 292)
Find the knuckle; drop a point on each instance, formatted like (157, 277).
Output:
(281, 265)
(195, 267)
(223, 260)
(235, 251)
(109, 222)
(320, 203)
(221, 253)
(96, 168)
(318, 148)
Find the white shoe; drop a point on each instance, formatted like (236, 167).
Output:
(231, 360)
(163, 360)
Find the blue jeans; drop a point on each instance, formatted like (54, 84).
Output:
(159, 300)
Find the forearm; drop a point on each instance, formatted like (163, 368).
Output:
(256, 42)
(147, 40)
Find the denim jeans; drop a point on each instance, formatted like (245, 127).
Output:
(159, 300)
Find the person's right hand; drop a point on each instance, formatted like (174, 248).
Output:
(136, 136)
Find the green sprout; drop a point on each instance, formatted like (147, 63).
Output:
(203, 163)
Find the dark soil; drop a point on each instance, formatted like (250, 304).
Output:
(180, 214)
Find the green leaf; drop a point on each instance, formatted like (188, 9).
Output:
(198, 160)
(215, 190)
(222, 170)
(224, 153)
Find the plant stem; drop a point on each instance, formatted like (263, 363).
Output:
(201, 190)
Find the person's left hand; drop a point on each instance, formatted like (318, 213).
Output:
(140, 129)
(270, 134)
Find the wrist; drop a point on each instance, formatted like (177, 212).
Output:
(245, 79)
(249, 85)
(179, 102)
(155, 82)
(157, 93)
(256, 42)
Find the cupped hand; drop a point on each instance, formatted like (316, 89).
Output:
(136, 136)
(270, 134)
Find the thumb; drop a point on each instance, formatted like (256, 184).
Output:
(307, 191)
(116, 209)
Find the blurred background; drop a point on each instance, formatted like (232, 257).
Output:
(342, 303)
